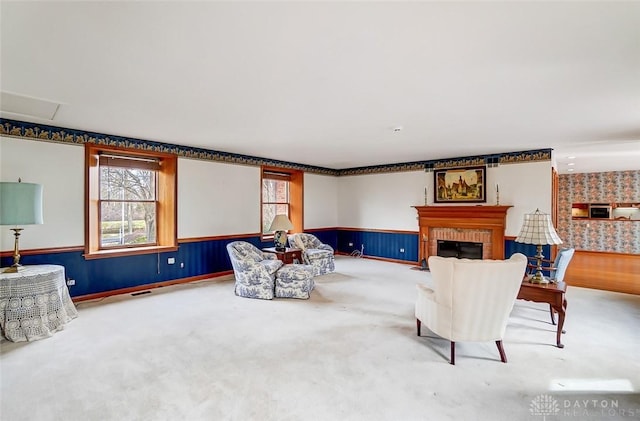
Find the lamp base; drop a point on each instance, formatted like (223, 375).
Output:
(280, 240)
(538, 278)
(535, 279)
(16, 266)
(13, 269)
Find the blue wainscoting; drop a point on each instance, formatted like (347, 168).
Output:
(529, 250)
(208, 257)
(511, 247)
(326, 236)
(381, 244)
(102, 275)
(387, 245)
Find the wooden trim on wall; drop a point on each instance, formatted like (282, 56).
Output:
(70, 249)
(554, 196)
(216, 238)
(131, 251)
(91, 192)
(603, 270)
(44, 251)
(555, 183)
(100, 295)
(296, 200)
(384, 259)
(375, 230)
(167, 216)
(320, 229)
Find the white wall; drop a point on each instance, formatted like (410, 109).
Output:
(213, 198)
(320, 201)
(384, 201)
(60, 170)
(224, 199)
(525, 186)
(381, 201)
(217, 199)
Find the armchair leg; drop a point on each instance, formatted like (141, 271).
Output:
(553, 315)
(453, 353)
(418, 323)
(503, 356)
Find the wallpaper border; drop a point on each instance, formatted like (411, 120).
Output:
(42, 132)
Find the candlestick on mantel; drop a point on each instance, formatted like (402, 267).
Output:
(497, 195)
(425, 196)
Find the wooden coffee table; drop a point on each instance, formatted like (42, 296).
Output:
(553, 294)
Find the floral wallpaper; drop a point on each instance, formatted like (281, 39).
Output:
(599, 235)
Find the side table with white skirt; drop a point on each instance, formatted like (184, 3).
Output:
(34, 303)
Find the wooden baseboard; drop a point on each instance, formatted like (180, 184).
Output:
(146, 287)
(607, 271)
(384, 259)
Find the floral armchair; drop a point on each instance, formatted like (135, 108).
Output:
(255, 271)
(314, 252)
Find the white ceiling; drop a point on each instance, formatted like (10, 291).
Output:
(326, 83)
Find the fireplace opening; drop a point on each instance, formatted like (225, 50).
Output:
(459, 249)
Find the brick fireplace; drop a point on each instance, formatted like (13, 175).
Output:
(478, 224)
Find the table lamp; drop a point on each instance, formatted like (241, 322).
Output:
(537, 229)
(20, 204)
(281, 224)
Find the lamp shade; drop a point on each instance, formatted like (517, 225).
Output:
(20, 203)
(537, 229)
(281, 223)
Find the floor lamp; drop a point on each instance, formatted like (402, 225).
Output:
(537, 229)
(20, 204)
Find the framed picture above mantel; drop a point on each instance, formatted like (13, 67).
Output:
(460, 185)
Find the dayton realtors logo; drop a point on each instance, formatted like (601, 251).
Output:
(547, 405)
(544, 405)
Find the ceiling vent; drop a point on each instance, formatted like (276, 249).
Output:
(28, 106)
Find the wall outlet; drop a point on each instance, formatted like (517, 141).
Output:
(350, 244)
(401, 250)
(181, 264)
(71, 282)
(171, 260)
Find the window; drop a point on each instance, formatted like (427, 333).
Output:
(281, 193)
(127, 204)
(131, 205)
(275, 198)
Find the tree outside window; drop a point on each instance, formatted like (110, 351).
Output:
(275, 201)
(128, 205)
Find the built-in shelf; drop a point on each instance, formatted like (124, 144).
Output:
(606, 211)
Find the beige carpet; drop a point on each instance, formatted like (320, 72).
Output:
(197, 352)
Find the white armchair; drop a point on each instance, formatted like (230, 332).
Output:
(471, 299)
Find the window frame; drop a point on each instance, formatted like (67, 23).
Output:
(296, 189)
(166, 202)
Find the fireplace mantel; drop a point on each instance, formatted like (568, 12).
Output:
(490, 218)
